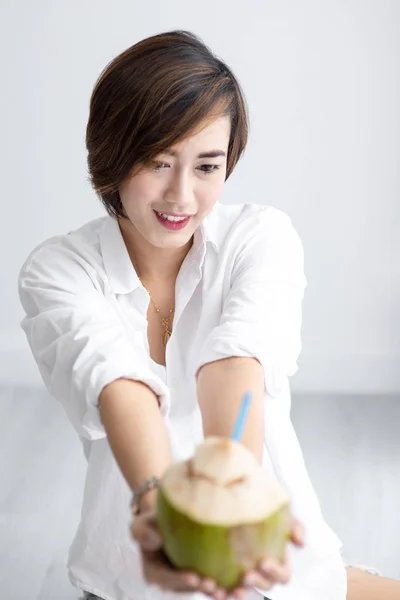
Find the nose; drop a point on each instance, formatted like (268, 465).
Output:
(179, 191)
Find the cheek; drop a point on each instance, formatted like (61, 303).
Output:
(136, 195)
(210, 194)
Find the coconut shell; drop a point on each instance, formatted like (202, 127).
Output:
(219, 514)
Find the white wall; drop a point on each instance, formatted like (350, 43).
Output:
(323, 85)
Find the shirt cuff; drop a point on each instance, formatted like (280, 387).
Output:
(276, 371)
(100, 377)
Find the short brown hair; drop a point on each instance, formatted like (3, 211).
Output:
(150, 97)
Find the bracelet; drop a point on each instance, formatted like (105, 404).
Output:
(145, 487)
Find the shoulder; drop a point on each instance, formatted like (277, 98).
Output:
(244, 224)
(66, 257)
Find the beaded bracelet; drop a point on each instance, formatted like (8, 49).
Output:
(145, 487)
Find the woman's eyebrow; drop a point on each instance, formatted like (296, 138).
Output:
(212, 154)
(209, 154)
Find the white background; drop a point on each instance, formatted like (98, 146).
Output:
(322, 80)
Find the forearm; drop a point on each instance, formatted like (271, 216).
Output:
(136, 432)
(364, 586)
(220, 388)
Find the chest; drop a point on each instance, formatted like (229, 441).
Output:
(160, 314)
(197, 299)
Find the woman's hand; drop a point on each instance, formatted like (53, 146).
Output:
(157, 570)
(270, 571)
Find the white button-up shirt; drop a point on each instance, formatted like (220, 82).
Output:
(239, 292)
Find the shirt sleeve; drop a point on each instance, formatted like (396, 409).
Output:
(77, 339)
(262, 312)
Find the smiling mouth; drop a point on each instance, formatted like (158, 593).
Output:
(173, 217)
(172, 222)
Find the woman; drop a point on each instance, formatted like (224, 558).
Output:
(148, 324)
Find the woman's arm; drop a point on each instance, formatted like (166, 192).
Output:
(364, 586)
(220, 387)
(81, 346)
(136, 432)
(91, 364)
(257, 341)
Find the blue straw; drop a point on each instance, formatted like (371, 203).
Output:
(241, 418)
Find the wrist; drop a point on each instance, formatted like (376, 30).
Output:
(144, 496)
(147, 501)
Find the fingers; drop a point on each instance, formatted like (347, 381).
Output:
(297, 533)
(208, 586)
(276, 572)
(239, 593)
(268, 573)
(145, 531)
(156, 568)
(258, 580)
(220, 594)
(157, 572)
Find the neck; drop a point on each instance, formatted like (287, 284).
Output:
(149, 261)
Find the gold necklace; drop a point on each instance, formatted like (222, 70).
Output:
(164, 321)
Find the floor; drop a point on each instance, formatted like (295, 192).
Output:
(351, 446)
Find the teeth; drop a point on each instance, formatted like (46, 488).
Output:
(169, 218)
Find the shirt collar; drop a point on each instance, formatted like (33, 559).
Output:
(208, 229)
(118, 265)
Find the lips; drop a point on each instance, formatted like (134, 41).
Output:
(175, 216)
(172, 225)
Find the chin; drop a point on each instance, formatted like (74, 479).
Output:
(176, 242)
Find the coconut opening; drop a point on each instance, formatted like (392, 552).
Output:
(223, 485)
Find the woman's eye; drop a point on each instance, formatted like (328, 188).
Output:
(157, 165)
(209, 169)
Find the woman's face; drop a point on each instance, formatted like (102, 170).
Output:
(184, 185)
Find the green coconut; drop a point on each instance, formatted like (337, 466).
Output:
(219, 513)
